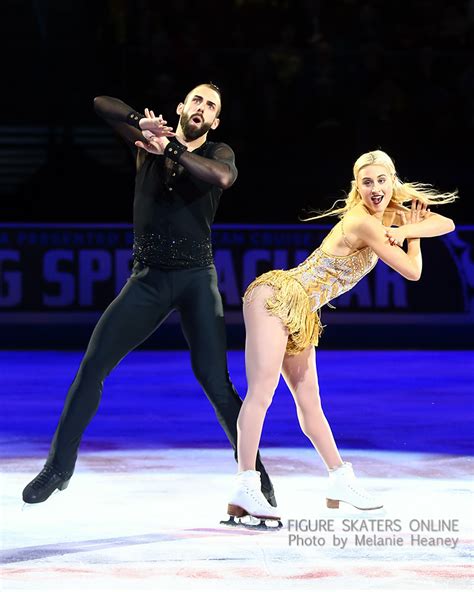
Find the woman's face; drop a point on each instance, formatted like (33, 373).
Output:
(375, 186)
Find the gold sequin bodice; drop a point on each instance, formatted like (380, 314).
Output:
(300, 292)
(325, 276)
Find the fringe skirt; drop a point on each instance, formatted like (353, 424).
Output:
(291, 304)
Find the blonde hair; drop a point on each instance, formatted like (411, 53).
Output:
(402, 192)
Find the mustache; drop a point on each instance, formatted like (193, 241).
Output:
(194, 133)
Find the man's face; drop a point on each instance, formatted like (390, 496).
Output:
(199, 112)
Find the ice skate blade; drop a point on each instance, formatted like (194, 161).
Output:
(236, 511)
(260, 523)
(240, 512)
(334, 504)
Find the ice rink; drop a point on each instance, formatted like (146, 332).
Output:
(149, 520)
(142, 510)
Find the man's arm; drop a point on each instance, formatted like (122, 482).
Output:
(218, 170)
(121, 117)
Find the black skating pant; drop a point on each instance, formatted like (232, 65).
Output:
(147, 298)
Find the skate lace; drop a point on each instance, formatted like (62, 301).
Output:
(262, 503)
(43, 477)
(360, 492)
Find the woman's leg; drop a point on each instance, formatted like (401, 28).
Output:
(202, 320)
(265, 345)
(301, 377)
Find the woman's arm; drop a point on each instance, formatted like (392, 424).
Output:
(427, 225)
(433, 225)
(373, 234)
(409, 264)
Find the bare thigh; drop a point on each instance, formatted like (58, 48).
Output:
(266, 339)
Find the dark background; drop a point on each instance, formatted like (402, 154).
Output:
(307, 87)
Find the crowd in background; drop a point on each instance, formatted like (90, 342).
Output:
(306, 87)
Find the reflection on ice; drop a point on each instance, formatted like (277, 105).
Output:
(148, 520)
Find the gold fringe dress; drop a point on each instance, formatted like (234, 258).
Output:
(300, 292)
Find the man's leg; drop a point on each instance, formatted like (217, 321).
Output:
(136, 312)
(202, 320)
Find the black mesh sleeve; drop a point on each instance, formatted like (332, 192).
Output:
(121, 117)
(219, 170)
(225, 154)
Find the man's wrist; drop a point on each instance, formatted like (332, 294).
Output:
(174, 150)
(133, 118)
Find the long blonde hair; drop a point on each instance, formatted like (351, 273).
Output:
(402, 192)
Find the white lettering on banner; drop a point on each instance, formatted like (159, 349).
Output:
(226, 277)
(94, 266)
(65, 280)
(10, 281)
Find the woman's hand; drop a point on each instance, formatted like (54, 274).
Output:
(417, 213)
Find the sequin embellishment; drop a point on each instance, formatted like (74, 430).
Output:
(300, 292)
(157, 250)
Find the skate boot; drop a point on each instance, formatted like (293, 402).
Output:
(43, 485)
(343, 487)
(248, 500)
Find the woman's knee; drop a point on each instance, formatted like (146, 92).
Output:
(261, 395)
(310, 408)
(306, 395)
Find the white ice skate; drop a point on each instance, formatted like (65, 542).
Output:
(248, 500)
(343, 487)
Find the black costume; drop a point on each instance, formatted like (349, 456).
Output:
(173, 269)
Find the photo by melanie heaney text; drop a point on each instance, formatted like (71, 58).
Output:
(342, 533)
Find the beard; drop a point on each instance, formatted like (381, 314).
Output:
(190, 130)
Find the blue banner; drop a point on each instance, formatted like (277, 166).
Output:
(52, 269)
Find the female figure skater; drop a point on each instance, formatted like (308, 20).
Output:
(282, 324)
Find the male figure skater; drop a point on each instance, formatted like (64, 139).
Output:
(180, 178)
